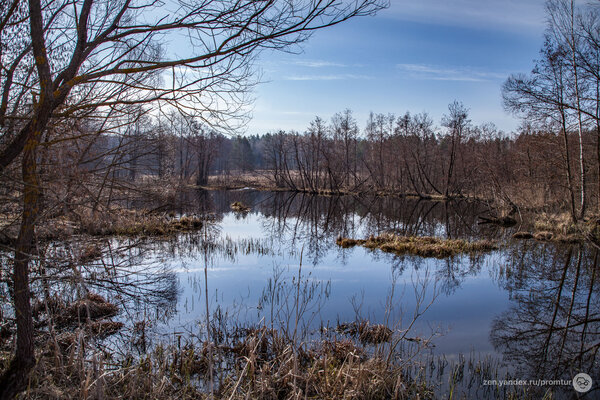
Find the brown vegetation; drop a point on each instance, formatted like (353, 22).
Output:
(419, 246)
(366, 333)
(92, 307)
(559, 227)
(138, 223)
(522, 235)
(239, 207)
(263, 365)
(543, 236)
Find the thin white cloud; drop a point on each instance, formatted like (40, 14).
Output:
(441, 73)
(318, 64)
(296, 113)
(332, 77)
(510, 15)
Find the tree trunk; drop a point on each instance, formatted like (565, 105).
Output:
(450, 166)
(579, 118)
(598, 141)
(15, 378)
(568, 166)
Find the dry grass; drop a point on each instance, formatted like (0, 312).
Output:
(262, 180)
(522, 235)
(366, 333)
(262, 364)
(251, 363)
(92, 307)
(556, 223)
(423, 246)
(543, 236)
(272, 366)
(138, 223)
(561, 228)
(238, 206)
(256, 180)
(116, 222)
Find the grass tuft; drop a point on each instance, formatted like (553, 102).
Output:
(423, 246)
(139, 223)
(239, 207)
(543, 236)
(366, 333)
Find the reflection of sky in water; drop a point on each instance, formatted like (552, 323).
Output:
(463, 311)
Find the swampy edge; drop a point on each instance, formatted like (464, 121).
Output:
(493, 312)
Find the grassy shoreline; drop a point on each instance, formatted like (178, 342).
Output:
(532, 222)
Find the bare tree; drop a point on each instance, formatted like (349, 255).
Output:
(563, 90)
(562, 27)
(345, 130)
(378, 131)
(71, 59)
(589, 60)
(541, 99)
(317, 132)
(457, 122)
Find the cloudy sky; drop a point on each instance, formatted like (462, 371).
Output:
(415, 56)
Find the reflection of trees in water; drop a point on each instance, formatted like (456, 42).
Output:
(316, 221)
(451, 272)
(552, 330)
(297, 220)
(412, 217)
(405, 215)
(343, 215)
(325, 217)
(138, 275)
(311, 221)
(122, 270)
(125, 274)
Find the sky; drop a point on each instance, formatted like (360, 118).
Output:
(414, 56)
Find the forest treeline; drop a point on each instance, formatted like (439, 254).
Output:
(552, 161)
(404, 154)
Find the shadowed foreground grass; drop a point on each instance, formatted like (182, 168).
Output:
(424, 246)
(262, 364)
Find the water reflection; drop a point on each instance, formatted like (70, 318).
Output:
(269, 239)
(532, 307)
(552, 328)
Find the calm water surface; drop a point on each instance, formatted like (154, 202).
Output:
(532, 307)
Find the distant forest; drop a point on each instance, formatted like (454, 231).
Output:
(405, 154)
(552, 162)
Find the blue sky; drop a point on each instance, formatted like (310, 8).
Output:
(415, 56)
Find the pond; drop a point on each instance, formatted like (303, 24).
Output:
(530, 309)
(356, 282)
